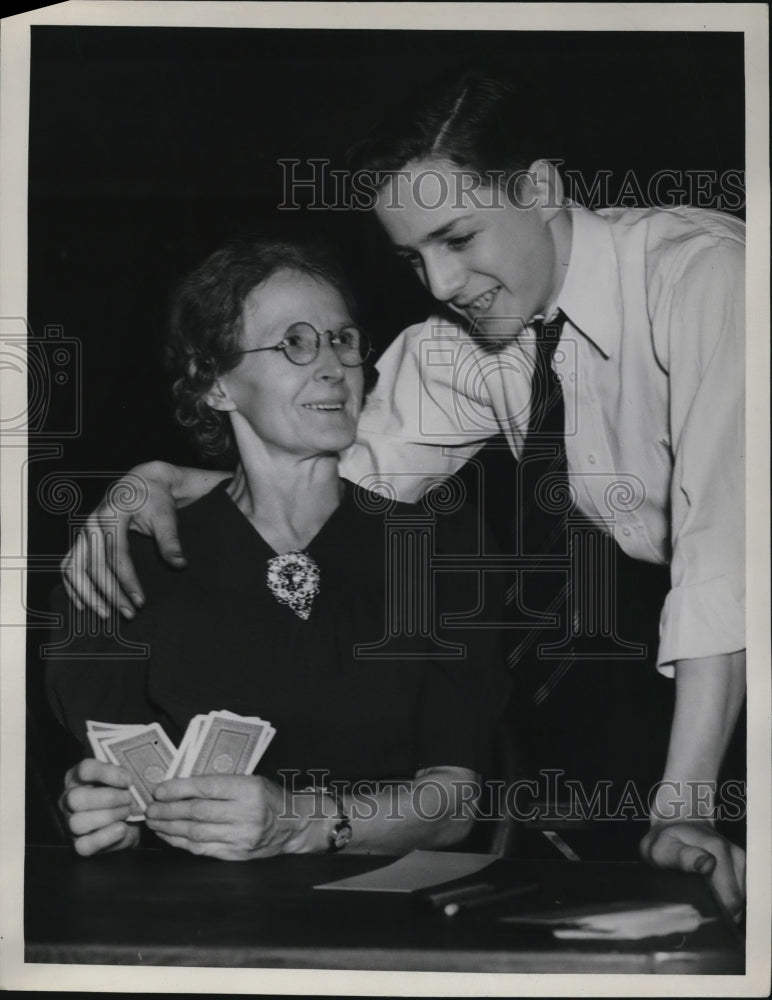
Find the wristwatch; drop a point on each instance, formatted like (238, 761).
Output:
(340, 835)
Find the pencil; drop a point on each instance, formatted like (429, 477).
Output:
(489, 899)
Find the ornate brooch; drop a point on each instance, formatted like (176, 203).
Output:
(294, 580)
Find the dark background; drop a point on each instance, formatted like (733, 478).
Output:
(149, 146)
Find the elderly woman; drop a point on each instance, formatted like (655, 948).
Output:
(287, 607)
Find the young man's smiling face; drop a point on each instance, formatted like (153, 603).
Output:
(495, 261)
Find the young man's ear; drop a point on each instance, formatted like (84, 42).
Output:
(219, 398)
(547, 187)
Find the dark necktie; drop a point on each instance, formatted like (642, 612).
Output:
(545, 471)
(545, 505)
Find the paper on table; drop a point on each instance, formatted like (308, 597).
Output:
(417, 870)
(637, 924)
(616, 921)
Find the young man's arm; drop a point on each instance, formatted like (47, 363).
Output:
(702, 635)
(429, 413)
(709, 695)
(98, 571)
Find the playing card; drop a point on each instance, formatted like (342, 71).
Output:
(199, 727)
(218, 743)
(114, 727)
(96, 747)
(99, 727)
(267, 733)
(98, 732)
(227, 745)
(146, 755)
(176, 768)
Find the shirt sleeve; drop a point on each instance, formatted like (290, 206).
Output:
(704, 613)
(426, 417)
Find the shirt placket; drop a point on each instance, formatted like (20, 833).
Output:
(610, 497)
(590, 463)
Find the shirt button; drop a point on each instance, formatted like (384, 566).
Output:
(626, 531)
(591, 459)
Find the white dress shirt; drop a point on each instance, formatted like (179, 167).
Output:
(652, 364)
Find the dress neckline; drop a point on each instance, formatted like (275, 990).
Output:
(255, 533)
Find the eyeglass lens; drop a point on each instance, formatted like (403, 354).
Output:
(301, 344)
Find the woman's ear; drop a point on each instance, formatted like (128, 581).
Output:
(547, 187)
(219, 398)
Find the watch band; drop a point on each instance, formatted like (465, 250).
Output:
(340, 835)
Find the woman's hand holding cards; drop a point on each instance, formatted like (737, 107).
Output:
(102, 794)
(233, 817)
(96, 803)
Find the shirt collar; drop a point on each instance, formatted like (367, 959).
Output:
(591, 295)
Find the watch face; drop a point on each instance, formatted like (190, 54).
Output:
(341, 835)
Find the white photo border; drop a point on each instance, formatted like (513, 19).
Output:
(752, 21)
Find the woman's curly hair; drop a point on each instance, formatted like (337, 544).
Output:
(206, 323)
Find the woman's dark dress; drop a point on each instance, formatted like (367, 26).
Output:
(217, 638)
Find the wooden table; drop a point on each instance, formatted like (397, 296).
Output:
(169, 908)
